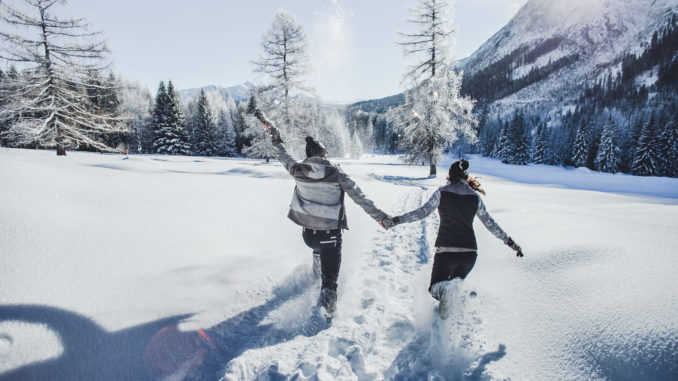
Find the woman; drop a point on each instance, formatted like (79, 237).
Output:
(318, 207)
(458, 203)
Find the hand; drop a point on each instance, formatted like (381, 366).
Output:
(389, 222)
(510, 243)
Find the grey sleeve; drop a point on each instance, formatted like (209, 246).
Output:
(417, 214)
(489, 223)
(357, 195)
(285, 158)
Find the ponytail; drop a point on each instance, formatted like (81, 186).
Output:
(475, 185)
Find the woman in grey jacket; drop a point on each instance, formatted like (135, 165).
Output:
(318, 207)
(458, 203)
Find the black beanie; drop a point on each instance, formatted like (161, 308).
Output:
(459, 170)
(314, 148)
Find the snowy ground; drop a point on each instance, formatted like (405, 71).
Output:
(100, 253)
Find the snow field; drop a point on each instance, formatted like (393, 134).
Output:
(100, 252)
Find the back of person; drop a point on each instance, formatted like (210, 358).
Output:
(457, 209)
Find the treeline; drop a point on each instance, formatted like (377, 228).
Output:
(625, 122)
(649, 149)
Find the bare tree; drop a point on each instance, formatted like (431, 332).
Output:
(431, 40)
(285, 62)
(53, 107)
(435, 114)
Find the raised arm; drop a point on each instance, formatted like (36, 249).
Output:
(357, 195)
(495, 229)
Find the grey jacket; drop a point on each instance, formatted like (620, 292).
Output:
(318, 199)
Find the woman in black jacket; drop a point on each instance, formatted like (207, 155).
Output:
(458, 203)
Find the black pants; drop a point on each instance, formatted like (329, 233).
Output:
(328, 244)
(448, 266)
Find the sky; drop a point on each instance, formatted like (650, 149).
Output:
(352, 43)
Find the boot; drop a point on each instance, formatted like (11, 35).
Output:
(328, 299)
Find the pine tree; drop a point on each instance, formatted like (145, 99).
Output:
(670, 147)
(539, 147)
(582, 146)
(170, 135)
(204, 130)
(646, 160)
(607, 159)
(501, 149)
(227, 135)
(58, 56)
(517, 145)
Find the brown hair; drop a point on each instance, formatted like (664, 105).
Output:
(473, 182)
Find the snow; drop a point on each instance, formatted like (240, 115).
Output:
(100, 252)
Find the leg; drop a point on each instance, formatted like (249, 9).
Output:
(330, 262)
(448, 266)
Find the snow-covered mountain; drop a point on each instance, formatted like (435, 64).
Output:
(552, 49)
(237, 93)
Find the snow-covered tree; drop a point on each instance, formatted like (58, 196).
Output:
(226, 133)
(607, 159)
(136, 105)
(260, 146)
(170, 137)
(517, 150)
(501, 148)
(647, 157)
(204, 129)
(58, 57)
(434, 115)
(582, 146)
(540, 149)
(285, 63)
(669, 145)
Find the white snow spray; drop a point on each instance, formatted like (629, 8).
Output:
(330, 47)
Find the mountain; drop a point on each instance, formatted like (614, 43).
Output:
(552, 50)
(237, 93)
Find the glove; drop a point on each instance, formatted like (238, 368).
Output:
(275, 135)
(390, 222)
(510, 243)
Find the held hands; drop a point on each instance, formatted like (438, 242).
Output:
(389, 222)
(510, 243)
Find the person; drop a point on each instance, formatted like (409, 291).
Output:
(318, 207)
(458, 203)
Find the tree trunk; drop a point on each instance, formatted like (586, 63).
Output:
(60, 150)
(433, 169)
(268, 159)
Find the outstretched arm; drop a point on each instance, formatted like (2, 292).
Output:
(421, 212)
(357, 195)
(495, 229)
(290, 163)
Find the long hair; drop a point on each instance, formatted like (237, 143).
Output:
(472, 182)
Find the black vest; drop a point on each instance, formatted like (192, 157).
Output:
(457, 211)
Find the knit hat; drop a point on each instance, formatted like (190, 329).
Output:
(315, 148)
(459, 170)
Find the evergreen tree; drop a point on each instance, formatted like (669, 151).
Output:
(607, 158)
(518, 143)
(502, 149)
(582, 146)
(670, 147)
(204, 130)
(170, 135)
(158, 118)
(539, 147)
(647, 157)
(227, 135)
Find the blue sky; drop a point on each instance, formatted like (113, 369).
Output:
(352, 42)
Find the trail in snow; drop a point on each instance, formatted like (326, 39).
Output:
(386, 326)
